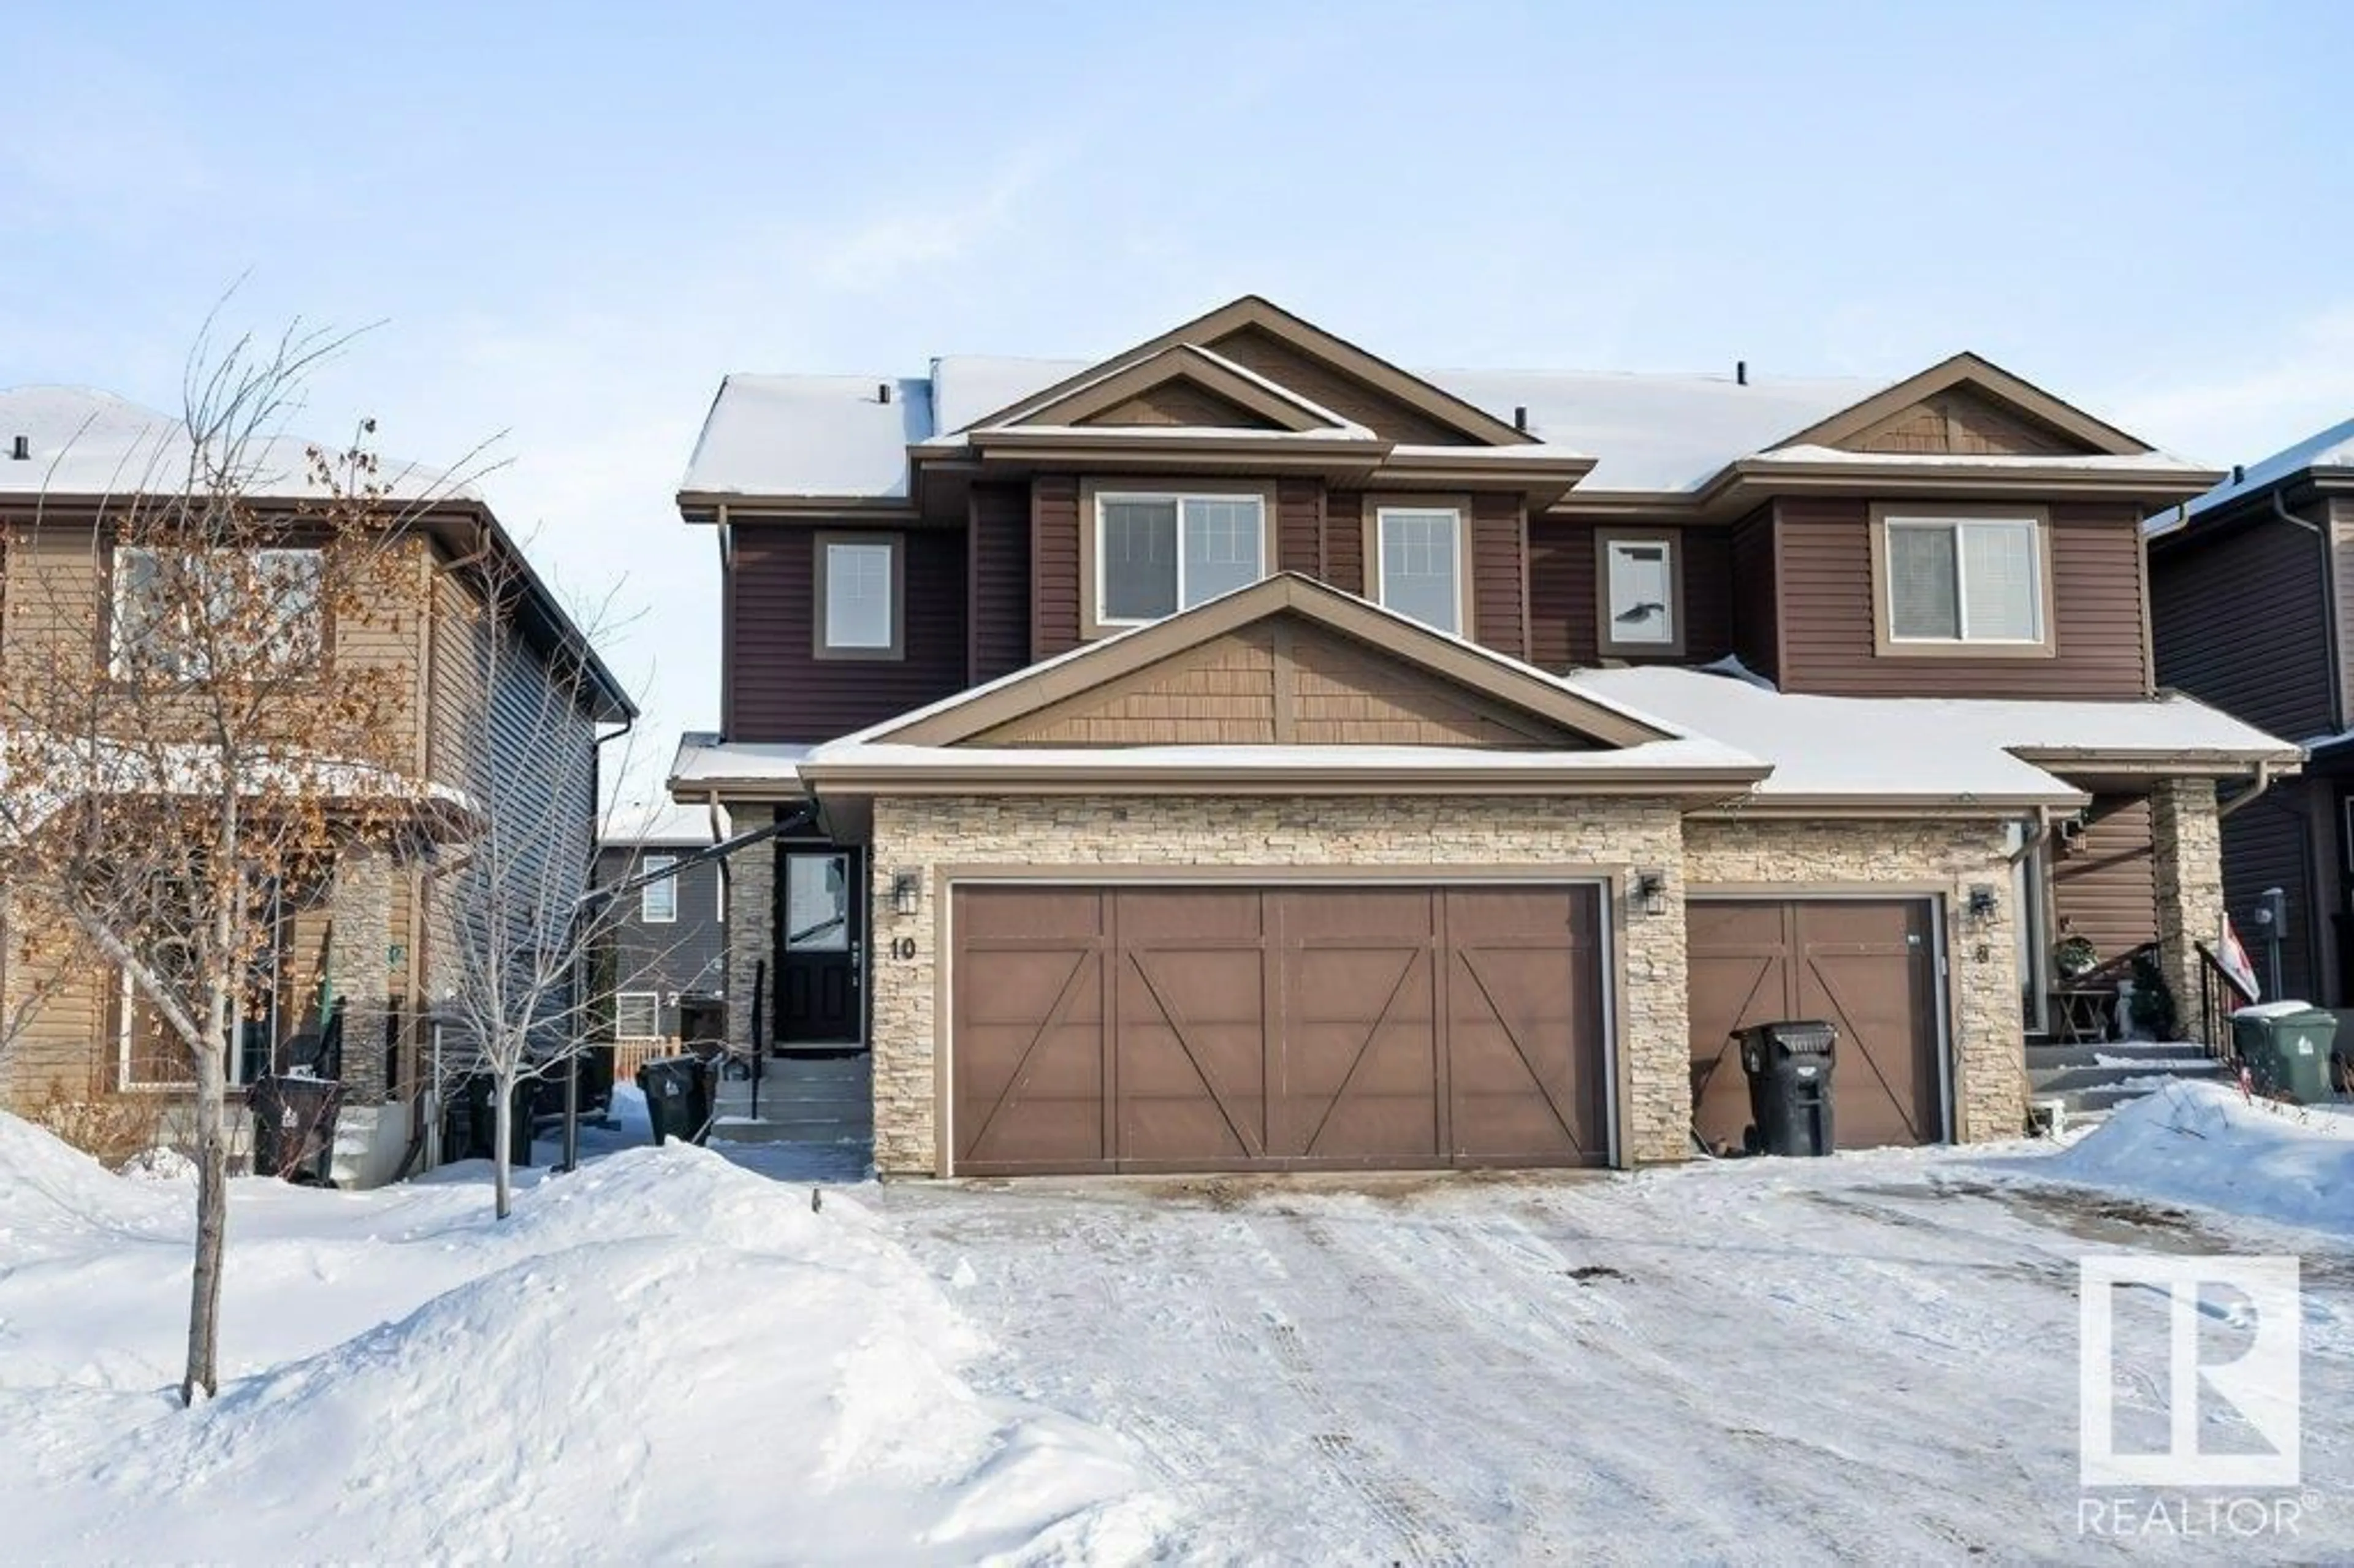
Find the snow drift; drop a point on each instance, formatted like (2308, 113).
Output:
(2208, 1144)
(660, 1356)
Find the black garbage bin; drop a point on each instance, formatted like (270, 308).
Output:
(678, 1091)
(1789, 1067)
(470, 1128)
(295, 1127)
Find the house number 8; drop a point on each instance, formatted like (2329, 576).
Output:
(902, 947)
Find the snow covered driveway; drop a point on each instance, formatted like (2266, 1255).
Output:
(1872, 1358)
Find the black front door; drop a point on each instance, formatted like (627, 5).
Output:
(820, 938)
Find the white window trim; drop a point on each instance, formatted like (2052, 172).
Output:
(654, 1001)
(234, 1064)
(668, 885)
(1606, 542)
(1887, 642)
(1379, 509)
(1097, 618)
(119, 666)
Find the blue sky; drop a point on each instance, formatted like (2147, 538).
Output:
(571, 221)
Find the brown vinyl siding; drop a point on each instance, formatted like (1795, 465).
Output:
(999, 570)
(1561, 595)
(1300, 526)
(2240, 624)
(1181, 403)
(1826, 607)
(782, 692)
(1707, 567)
(1344, 541)
(1054, 585)
(1756, 607)
(1965, 422)
(2104, 882)
(1330, 389)
(2267, 845)
(1499, 554)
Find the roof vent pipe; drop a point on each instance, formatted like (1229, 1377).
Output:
(882, 392)
(2238, 474)
(1741, 373)
(1520, 417)
(21, 449)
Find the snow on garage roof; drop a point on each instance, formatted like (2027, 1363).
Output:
(84, 442)
(1928, 750)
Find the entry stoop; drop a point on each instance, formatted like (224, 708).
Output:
(802, 1099)
(2090, 1080)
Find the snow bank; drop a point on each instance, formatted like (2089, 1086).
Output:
(2207, 1144)
(53, 1196)
(661, 1356)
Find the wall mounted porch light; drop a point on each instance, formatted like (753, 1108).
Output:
(1983, 905)
(907, 892)
(1650, 894)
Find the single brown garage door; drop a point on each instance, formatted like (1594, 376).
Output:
(1259, 1029)
(1867, 965)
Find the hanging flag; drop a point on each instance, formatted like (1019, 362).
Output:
(2234, 959)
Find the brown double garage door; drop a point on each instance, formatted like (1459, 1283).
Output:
(1867, 965)
(1257, 1028)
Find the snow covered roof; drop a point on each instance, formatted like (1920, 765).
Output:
(809, 435)
(706, 765)
(657, 823)
(2087, 462)
(1261, 766)
(84, 442)
(2329, 448)
(1928, 750)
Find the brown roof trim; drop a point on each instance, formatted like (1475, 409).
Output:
(1186, 362)
(723, 506)
(951, 776)
(1987, 377)
(2159, 762)
(1748, 482)
(1849, 806)
(1093, 666)
(1253, 310)
(1094, 439)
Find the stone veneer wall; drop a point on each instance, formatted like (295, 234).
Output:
(2187, 846)
(751, 929)
(937, 836)
(1950, 857)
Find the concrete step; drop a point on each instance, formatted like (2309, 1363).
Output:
(2088, 1055)
(811, 1129)
(2057, 1080)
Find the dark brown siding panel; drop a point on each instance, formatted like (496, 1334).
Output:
(1756, 625)
(1344, 541)
(1054, 565)
(1561, 595)
(1328, 388)
(2104, 884)
(783, 693)
(2265, 846)
(1499, 610)
(1708, 594)
(1826, 607)
(1300, 526)
(1001, 580)
(2240, 624)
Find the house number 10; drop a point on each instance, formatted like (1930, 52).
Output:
(902, 947)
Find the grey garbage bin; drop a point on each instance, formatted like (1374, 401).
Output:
(294, 1127)
(679, 1091)
(2286, 1047)
(1789, 1065)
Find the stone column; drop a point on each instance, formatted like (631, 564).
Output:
(359, 966)
(751, 922)
(2186, 840)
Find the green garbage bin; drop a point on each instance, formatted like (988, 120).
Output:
(2286, 1047)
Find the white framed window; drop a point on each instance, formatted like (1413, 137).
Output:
(1963, 582)
(658, 901)
(637, 1015)
(262, 607)
(1641, 593)
(859, 597)
(1156, 553)
(1415, 563)
(149, 1054)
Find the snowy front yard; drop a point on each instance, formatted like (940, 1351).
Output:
(664, 1356)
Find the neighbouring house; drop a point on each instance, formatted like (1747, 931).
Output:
(508, 702)
(667, 968)
(2253, 603)
(1241, 753)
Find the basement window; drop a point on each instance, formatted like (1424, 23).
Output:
(1156, 554)
(1974, 583)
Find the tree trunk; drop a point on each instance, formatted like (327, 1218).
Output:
(203, 1376)
(502, 1120)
